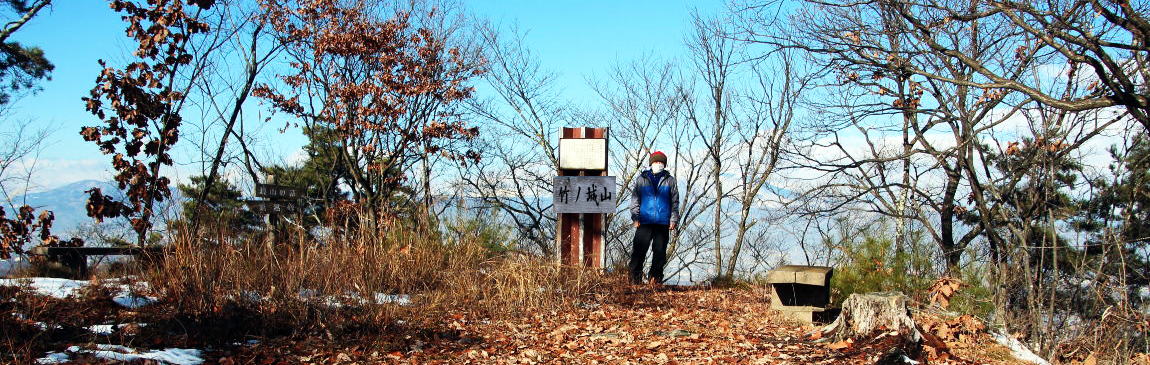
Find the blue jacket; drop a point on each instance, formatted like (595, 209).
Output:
(655, 198)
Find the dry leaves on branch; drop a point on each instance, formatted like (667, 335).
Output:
(943, 289)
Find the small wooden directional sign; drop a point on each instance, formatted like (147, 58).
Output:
(272, 191)
(271, 207)
(584, 194)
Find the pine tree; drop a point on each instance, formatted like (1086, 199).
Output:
(1118, 217)
(223, 208)
(21, 66)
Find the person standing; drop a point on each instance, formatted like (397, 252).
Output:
(654, 213)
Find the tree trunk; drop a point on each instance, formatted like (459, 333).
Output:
(716, 175)
(740, 236)
(217, 160)
(950, 249)
(13, 26)
(865, 314)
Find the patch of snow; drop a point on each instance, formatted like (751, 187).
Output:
(1018, 349)
(44, 326)
(101, 329)
(308, 293)
(175, 356)
(172, 356)
(117, 348)
(53, 287)
(107, 329)
(128, 296)
(401, 299)
(54, 358)
(355, 299)
(131, 301)
(252, 296)
(65, 288)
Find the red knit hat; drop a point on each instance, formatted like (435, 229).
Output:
(659, 156)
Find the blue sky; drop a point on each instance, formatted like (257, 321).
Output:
(576, 39)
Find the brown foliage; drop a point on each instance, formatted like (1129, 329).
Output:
(26, 226)
(139, 107)
(384, 86)
(943, 289)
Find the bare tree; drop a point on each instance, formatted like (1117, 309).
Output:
(768, 109)
(21, 144)
(644, 102)
(960, 124)
(713, 54)
(520, 154)
(866, 55)
(241, 33)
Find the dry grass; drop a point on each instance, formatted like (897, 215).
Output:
(330, 287)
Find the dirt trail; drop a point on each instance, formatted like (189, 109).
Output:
(668, 326)
(643, 325)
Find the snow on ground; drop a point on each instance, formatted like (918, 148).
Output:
(1017, 348)
(172, 356)
(54, 358)
(354, 298)
(127, 297)
(401, 299)
(53, 287)
(65, 288)
(107, 329)
(131, 301)
(101, 329)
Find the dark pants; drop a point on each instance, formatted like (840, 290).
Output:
(644, 236)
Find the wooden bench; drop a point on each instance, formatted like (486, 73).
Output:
(801, 292)
(74, 260)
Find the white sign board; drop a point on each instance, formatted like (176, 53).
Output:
(583, 154)
(584, 194)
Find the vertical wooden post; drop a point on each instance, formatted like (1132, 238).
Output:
(569, 230)
(593, 222)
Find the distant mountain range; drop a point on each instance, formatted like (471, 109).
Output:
(69, 203)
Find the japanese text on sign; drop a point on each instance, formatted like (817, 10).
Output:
(584, 194)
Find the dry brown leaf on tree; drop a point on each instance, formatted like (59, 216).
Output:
(943, 289)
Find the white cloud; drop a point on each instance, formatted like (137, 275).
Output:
(51, 173)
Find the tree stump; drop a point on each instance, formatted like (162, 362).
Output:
(864, 314)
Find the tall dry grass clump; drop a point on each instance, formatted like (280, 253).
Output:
(369, 277)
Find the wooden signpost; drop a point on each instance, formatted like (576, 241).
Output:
(582, 194)
(276, 192)
(278, 200)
